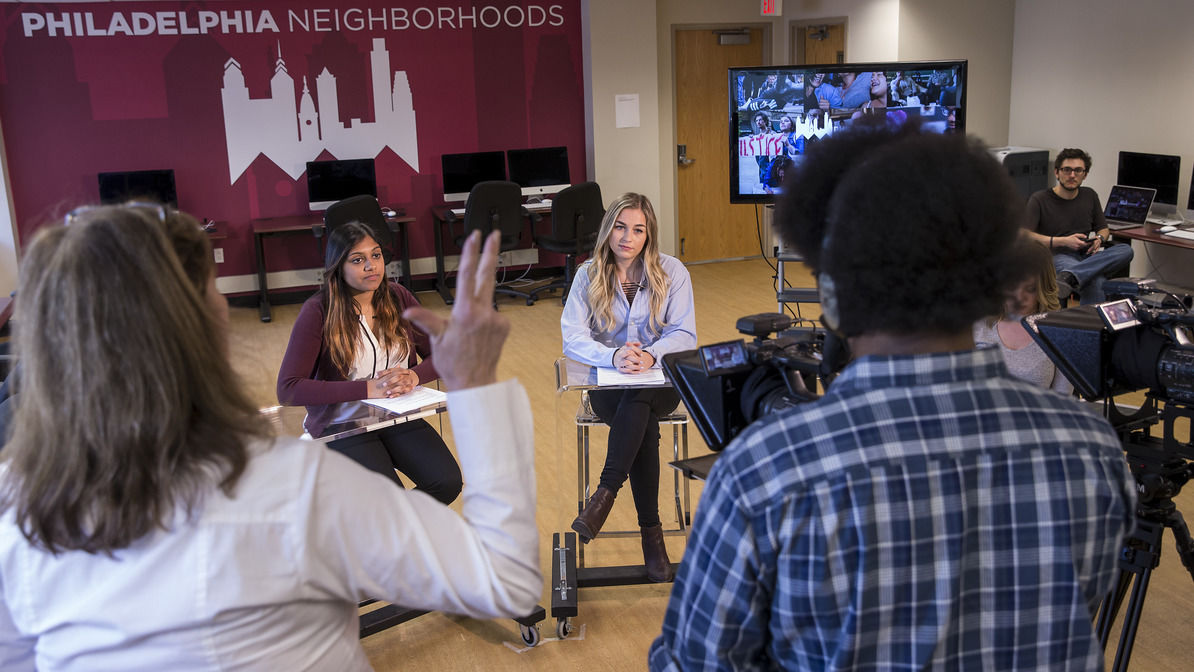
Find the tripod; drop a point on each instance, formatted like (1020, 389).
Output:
(1161, 469)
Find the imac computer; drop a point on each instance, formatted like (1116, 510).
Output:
(1154, 171)
(156, 186)
(464, 171)
(540, 172)
(331, 181)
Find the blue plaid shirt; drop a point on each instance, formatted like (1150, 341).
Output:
(930, 512)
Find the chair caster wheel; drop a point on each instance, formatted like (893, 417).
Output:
(530, 634)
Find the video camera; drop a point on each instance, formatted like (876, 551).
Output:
(1141, 338)
(726, 386)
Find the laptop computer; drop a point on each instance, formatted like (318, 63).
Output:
(1127, 207)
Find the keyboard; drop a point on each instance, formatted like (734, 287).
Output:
(1165, 221)
(457, 211)
(1184, 235)
(541, 206)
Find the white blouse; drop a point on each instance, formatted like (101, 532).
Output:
(270, 579)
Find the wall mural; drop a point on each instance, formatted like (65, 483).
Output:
(236, 97)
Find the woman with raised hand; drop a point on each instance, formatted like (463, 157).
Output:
(628, 306)
(146, 520)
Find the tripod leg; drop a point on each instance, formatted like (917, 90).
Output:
(1127, 636)
(1181, 535)
(1109, 608)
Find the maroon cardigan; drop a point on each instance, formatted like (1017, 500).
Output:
(309, 378)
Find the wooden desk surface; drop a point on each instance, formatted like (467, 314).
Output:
(288, 223)
(303, 223)
(1149, 233)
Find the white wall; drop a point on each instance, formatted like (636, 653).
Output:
(1106, 76)
(980, 31)
(621, 59)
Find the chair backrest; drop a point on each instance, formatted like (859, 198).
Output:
(495, 204)
(363, 209)
(576, 214)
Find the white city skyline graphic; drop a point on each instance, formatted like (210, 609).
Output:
(290, 135)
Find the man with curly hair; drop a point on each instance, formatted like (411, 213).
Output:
(929, 511)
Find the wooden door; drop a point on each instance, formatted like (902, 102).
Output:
(709, 227)
(819, 44)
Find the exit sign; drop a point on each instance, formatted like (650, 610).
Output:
(772, 7)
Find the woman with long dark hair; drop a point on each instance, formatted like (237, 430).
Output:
(628, 306)
(350, 342)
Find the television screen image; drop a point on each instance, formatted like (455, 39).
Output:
(156, 186)
(776, 113)
(331, 181)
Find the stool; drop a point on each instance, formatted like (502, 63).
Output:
(678, 419)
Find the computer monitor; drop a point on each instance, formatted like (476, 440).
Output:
(463, 171)
(138, 185)
(539, 171)
(331, 181)
(1155, 171)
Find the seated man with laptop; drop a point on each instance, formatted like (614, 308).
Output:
(1070, 222)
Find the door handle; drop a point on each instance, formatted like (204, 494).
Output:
(682, 155)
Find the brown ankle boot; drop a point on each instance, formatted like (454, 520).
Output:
(589, 522)
(659, 568)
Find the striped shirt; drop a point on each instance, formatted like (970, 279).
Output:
(930, 512)
(630, 289)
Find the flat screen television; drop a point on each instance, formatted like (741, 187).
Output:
(331, 181)
(776, 112)
(156, 186)
(1155, 171)
(539, 171)
(463, 171)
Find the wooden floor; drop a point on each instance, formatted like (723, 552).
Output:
(616, 625)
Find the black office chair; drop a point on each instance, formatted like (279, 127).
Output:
(364, 209)
(497, 205)
(576, 214)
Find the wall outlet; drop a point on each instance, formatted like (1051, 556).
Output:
(219, 254)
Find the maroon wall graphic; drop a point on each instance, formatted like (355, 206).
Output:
(235, 97)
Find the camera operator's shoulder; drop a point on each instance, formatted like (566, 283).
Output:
(789, 446)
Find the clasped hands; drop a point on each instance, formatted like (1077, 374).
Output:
(631, 358)
(393, 382)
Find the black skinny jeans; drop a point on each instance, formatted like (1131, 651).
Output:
(633, 450)
(415, 449)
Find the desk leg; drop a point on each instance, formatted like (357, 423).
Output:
(405, 256)
(441, 279)
(263, 300)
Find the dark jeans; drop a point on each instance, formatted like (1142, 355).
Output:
(415, 449)
(633, 451)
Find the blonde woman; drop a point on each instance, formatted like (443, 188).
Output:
(628, 306)
(1034, 291)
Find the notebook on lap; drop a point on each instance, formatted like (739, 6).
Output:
(1127, 207)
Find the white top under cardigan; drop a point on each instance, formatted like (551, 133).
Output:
(270, 579)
